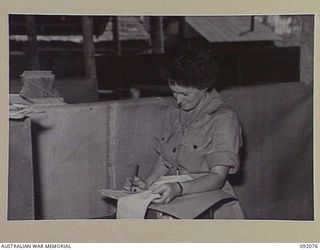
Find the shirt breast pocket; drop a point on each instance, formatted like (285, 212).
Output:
(197, 145)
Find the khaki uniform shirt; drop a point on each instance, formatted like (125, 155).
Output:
(196, 141)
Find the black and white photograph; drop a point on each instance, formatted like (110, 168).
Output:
(192, 117)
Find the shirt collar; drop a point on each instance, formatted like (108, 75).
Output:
(213, 102)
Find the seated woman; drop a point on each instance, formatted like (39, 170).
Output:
(201, 136)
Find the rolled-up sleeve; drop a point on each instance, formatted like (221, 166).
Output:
(226, 142)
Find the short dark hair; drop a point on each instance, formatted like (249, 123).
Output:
(196, 70)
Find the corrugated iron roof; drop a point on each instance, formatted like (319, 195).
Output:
(230, 29)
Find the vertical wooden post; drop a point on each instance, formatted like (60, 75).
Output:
(239, 69)
(307, 50)
(181, 28)
(118, 51)
(157, 38)
(252, 23)
(89, 50)
(32, 52)
(115, 33)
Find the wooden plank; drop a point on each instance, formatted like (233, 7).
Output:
(89, 51)
(157, 37)
(307, 49)
(71, 160)
(33, 54)
(115, 34)
(133, 127)
(20, 184)
(277, 151)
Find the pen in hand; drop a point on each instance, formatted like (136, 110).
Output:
(133, 186)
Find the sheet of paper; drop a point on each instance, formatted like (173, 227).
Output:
(171, 178)
(134, 205)
(191, 206)
(115, 194)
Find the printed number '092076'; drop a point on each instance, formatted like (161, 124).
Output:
(308, 245)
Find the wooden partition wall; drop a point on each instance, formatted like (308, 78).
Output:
(81, 148)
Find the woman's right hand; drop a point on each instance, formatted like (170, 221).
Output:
(135, 185)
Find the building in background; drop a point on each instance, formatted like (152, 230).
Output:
(133, 51)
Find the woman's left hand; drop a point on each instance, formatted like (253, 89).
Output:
(168, 192)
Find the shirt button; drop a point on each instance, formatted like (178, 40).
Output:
(162, 139)
(195, 146)
(174, 150)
